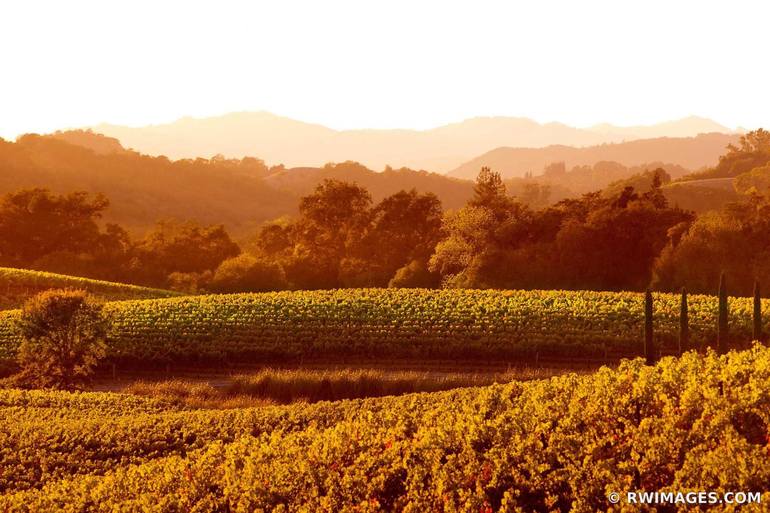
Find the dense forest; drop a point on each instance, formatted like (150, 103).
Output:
(625, 237)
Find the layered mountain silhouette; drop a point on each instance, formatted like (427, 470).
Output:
(239, 193)
(295, 143)
(243, 193)
(689, 152)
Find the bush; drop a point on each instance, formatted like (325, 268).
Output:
(246, 273)
(189, 283)
(414, 275)
(63, 334)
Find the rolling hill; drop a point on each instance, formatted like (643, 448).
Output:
(244, 193)
(17, 285)
(688, 152)
(241, 194)
(453, 192)
(702, 195)
(295, 143)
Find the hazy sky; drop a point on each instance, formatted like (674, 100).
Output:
(411, 64)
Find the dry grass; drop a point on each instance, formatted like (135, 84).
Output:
(194, 394)
(271, 386)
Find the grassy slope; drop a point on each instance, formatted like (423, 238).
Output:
(16, 285)
(286, 386)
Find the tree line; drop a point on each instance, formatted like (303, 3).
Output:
(627, 237)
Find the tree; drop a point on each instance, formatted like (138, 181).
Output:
(655, 193)
(756, 181)
(595, 242)
(735, 239)
(63, 333)
(175, 247)
(332, 223)
(189, 283)
(274, 238)
(414, 275)
(555, 169)
(615, 246)
(535, 195)
(752, 151)
(490, 193)
(404, 227)
(476, 236)
(108, 257)
(337, 210)
(35, 223)
(469, 232)
(246, 273)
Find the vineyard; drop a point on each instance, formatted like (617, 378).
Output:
(17, 285)
(699, 422)
(400, 323)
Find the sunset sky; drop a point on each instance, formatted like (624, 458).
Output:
(359, 64)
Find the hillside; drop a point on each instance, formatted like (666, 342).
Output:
(688, 152)
(97, 143)
(244, 193)
(17, 285)
(453, 192)
(298, 144)
(241, 194)
(550, 187)
(701, 195)
(685, 127)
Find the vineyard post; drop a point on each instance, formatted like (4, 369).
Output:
(649, 348)
(684, 324)
(722, 333)
(757, 335)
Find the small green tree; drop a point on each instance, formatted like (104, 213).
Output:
(63, 339)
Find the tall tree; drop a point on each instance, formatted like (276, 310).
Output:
(735, 239)
(175, 247)
(490, 193)
(405, 228)
(35, 223)
(332, 222)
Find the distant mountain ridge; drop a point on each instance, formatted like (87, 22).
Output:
(281, 140)
(685, 127)
(244, 193)
(689, 152)
(241, 194)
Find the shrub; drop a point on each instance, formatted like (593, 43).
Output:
(63, 334)
(189, 283)
(414, 275)
(246, 273)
